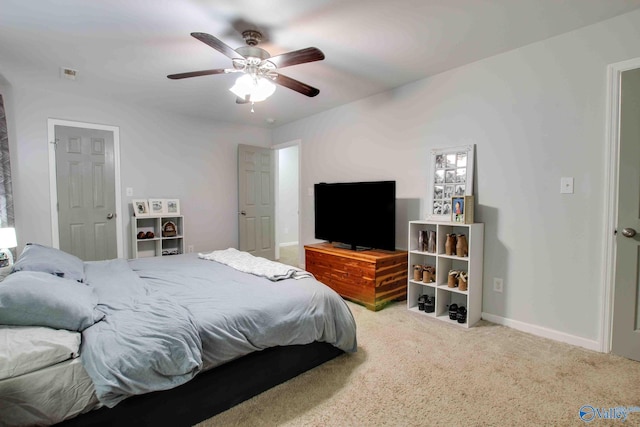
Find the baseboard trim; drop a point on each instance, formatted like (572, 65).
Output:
(544, 332)
(288, 244)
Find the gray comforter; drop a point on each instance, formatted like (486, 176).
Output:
(168, 318)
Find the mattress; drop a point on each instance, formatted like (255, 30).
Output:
(47, 396)
(24, 349)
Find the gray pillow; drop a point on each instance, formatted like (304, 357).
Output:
(34, 298)
(37, 257)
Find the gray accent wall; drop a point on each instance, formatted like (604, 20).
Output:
(161, 155)
(536, 114)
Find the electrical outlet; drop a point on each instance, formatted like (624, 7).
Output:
(129, 191)
(190, 249)
(497, 284)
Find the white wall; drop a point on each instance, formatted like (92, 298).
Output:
(162, 155)
(535, 114)
(287, 214)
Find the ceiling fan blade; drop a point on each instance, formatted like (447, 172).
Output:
(197, 73)
(217, 45)
(296, 57)
(296, 85)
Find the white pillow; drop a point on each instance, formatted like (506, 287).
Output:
(25, 349)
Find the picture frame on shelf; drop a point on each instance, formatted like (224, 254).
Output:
(451, 175)
(462, 209)
(140, 207)
(173, 206)
(157, 207)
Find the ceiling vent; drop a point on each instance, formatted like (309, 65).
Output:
(68, 73)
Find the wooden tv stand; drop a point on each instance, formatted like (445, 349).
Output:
(370, 277)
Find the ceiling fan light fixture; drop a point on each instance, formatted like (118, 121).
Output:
(254, 89)
(258, 66)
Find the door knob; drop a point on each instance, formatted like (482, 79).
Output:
(243, 213)
(628, 232)
(110, 215)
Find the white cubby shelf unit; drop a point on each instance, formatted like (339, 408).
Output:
(471, 299)
(158, 245)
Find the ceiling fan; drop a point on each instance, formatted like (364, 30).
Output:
(259, 68)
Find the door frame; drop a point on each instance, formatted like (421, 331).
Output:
(53, 184)
(293, 143)
(611, 171)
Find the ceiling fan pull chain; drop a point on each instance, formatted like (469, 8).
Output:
(252, 108)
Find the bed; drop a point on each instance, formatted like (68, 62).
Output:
(177, 338)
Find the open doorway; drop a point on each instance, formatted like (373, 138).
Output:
(288, 203)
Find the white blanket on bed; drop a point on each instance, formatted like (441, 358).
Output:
(247, 263)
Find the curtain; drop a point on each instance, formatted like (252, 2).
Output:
(6, 191)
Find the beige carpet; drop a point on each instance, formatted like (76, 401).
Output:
(413, 371)
(289, 255)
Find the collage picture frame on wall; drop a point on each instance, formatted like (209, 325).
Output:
(450, 176)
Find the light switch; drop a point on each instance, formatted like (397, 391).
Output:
(566, 185)
(129, 191)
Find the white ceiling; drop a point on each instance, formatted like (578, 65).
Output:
(123, 49)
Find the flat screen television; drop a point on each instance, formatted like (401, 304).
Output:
(356, 215)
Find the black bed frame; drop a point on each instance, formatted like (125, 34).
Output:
(214, 391)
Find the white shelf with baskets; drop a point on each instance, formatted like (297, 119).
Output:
(438, 291)
(159, 244)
